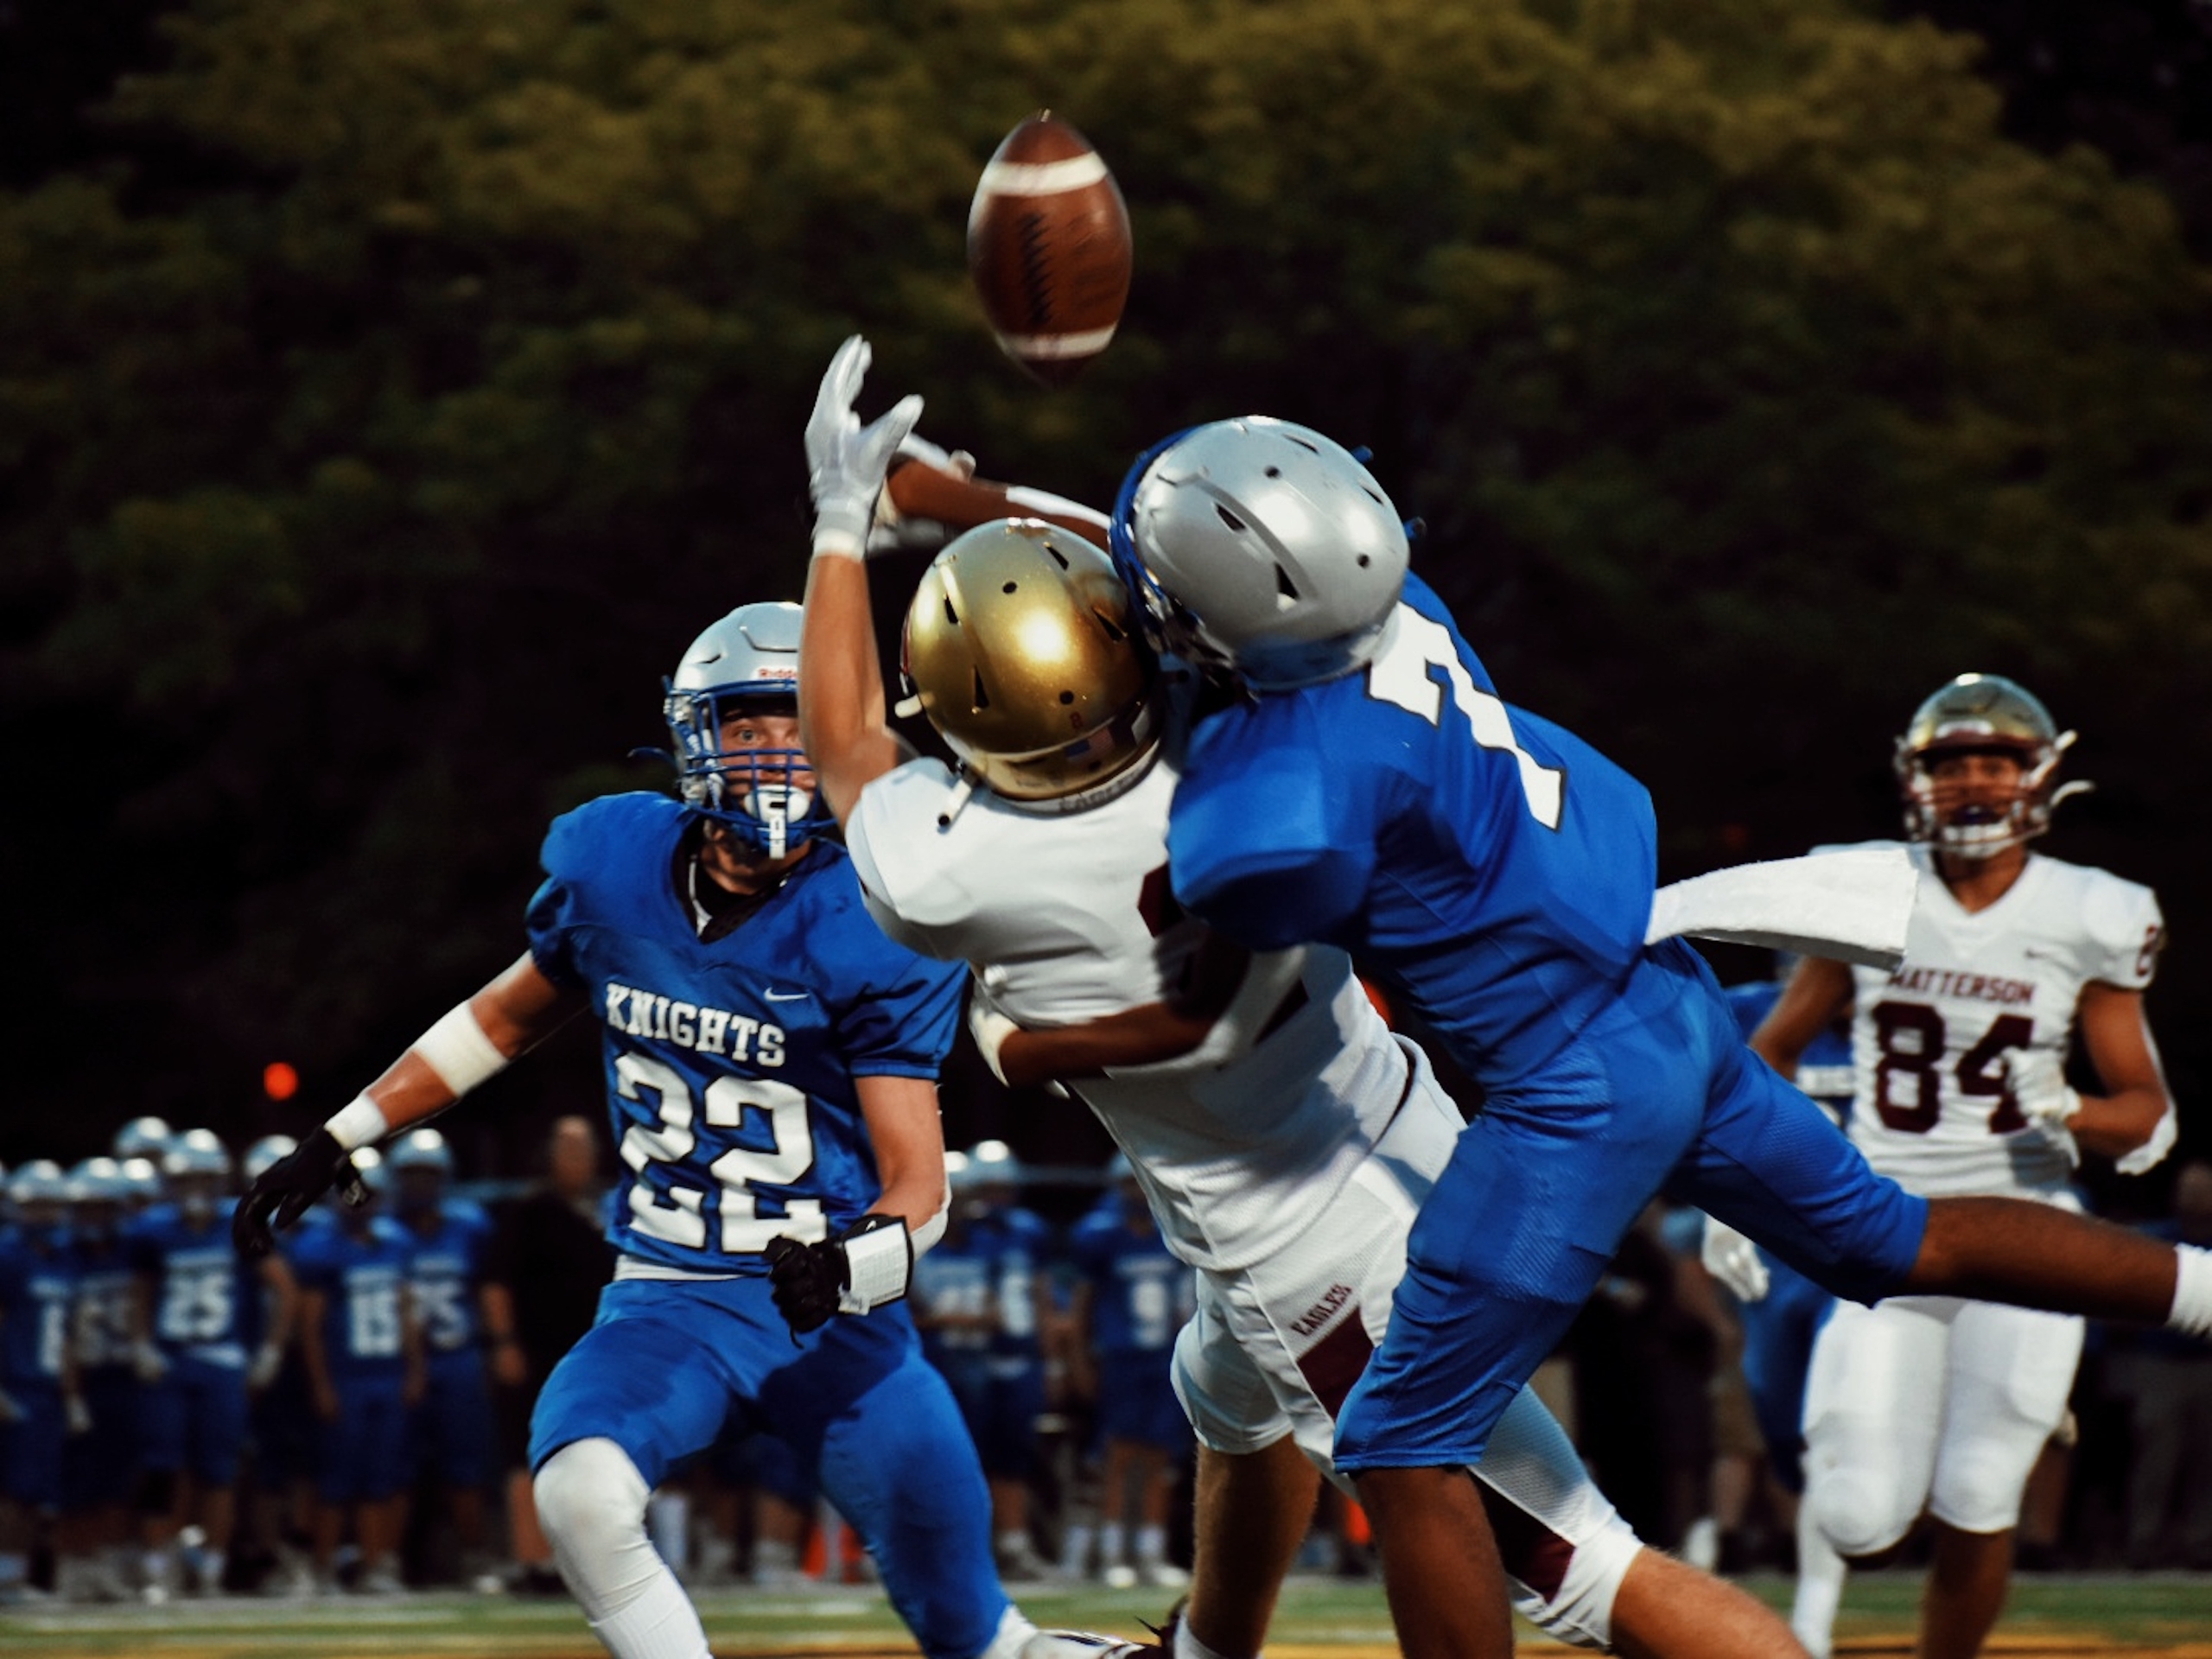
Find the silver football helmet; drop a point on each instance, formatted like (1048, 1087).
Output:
(1984, 714)
(765, 797)
(1262, 547)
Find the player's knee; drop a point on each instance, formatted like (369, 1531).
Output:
(1570, 1595)
(1860, 1515)
(1980, 1494)
(591, 1499)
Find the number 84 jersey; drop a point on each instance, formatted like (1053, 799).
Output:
(1931, 1105)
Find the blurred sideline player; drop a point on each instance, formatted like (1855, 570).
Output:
(979, 1299)
(454, 1440)
(99, 1467)
(1373, 791)
(361, 1343)
(1131, 1298)
(41, 1407)
(771, 1062)
(199, 1309)
(1283, 1136)
(1928, 1402)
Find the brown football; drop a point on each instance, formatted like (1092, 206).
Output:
(1049, 248)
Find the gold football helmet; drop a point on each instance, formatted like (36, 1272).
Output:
(1020, 649)
(1984, 714)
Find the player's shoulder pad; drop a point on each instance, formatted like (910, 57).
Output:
(579, 841)
(2119, 916)
(908, 847)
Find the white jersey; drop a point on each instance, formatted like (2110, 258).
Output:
(1068, 917)
(1930, 1106)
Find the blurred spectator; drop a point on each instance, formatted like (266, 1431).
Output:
(2167, 1379)
(549, 1260)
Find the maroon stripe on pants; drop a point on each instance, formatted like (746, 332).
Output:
(1529, 1550)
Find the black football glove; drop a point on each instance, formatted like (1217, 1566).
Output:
(282, 1193)
(866, 1266)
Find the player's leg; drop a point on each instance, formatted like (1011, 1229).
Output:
(1666, 1609)
(644, 1387)
(1874, 1406)
(2036, 1255)
(1256, 1485)
(221, 1424)
(2011, 1371)
(880, 1426)
(1539, 1192)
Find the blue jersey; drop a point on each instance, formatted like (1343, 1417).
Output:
(363, 1280)
(1140, 1295)
(106, 1294)
(730, 1064)
(1492, 867)
(202, 1293)
(444, 1274)
(38, 1281)
(1824, 1070)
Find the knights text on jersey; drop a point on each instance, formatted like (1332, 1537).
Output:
(730, 1065)
(1068, 917)
(1495, 867)
(1932, 1106)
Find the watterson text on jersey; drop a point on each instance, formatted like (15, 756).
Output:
(705, 1031)
(1946, 982)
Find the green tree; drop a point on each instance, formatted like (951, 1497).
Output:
(363, 477)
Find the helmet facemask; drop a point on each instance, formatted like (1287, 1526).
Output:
(765, 797)
(1981, 714)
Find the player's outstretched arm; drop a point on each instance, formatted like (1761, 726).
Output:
(843, 727)
(2135, 1107)
(472, 1043)
(1817, 992)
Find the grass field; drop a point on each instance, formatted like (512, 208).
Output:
(1320, 1620)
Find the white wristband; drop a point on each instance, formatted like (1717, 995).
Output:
(839, 544)
(360, 1122)
(877, 1265)
(459, 1052)
(990, 1029)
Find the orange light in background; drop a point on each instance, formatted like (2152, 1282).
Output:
(279, 1081)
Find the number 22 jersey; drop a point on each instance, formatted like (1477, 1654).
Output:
(1928, 1039)
(730, 1062)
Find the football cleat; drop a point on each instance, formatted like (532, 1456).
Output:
(1981, 714)
(1019, 648)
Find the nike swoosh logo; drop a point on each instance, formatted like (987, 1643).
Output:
(787, 996)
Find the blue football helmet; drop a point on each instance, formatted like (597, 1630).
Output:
(143, 1137)
(748, 660)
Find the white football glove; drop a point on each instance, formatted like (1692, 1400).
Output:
(846, 463)
(1734, 1261)
(2037, 1078)
(148, 1361)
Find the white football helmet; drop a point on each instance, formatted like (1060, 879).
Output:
(765, 797)
(1987, 714)
(1262, 547)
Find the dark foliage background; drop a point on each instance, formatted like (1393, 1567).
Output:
(389, 388)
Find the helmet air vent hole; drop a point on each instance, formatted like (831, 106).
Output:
(1275, 472)
(1112, 629)
(1067, 696)
(1230, 518)
(1372, 496)
(1365, 561)
(1009, 587)
(1309, 448)
(983, 698)
(1284, 586)
(1059, 558)
(950, 615)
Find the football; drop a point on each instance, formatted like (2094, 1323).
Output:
(1049, 248)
